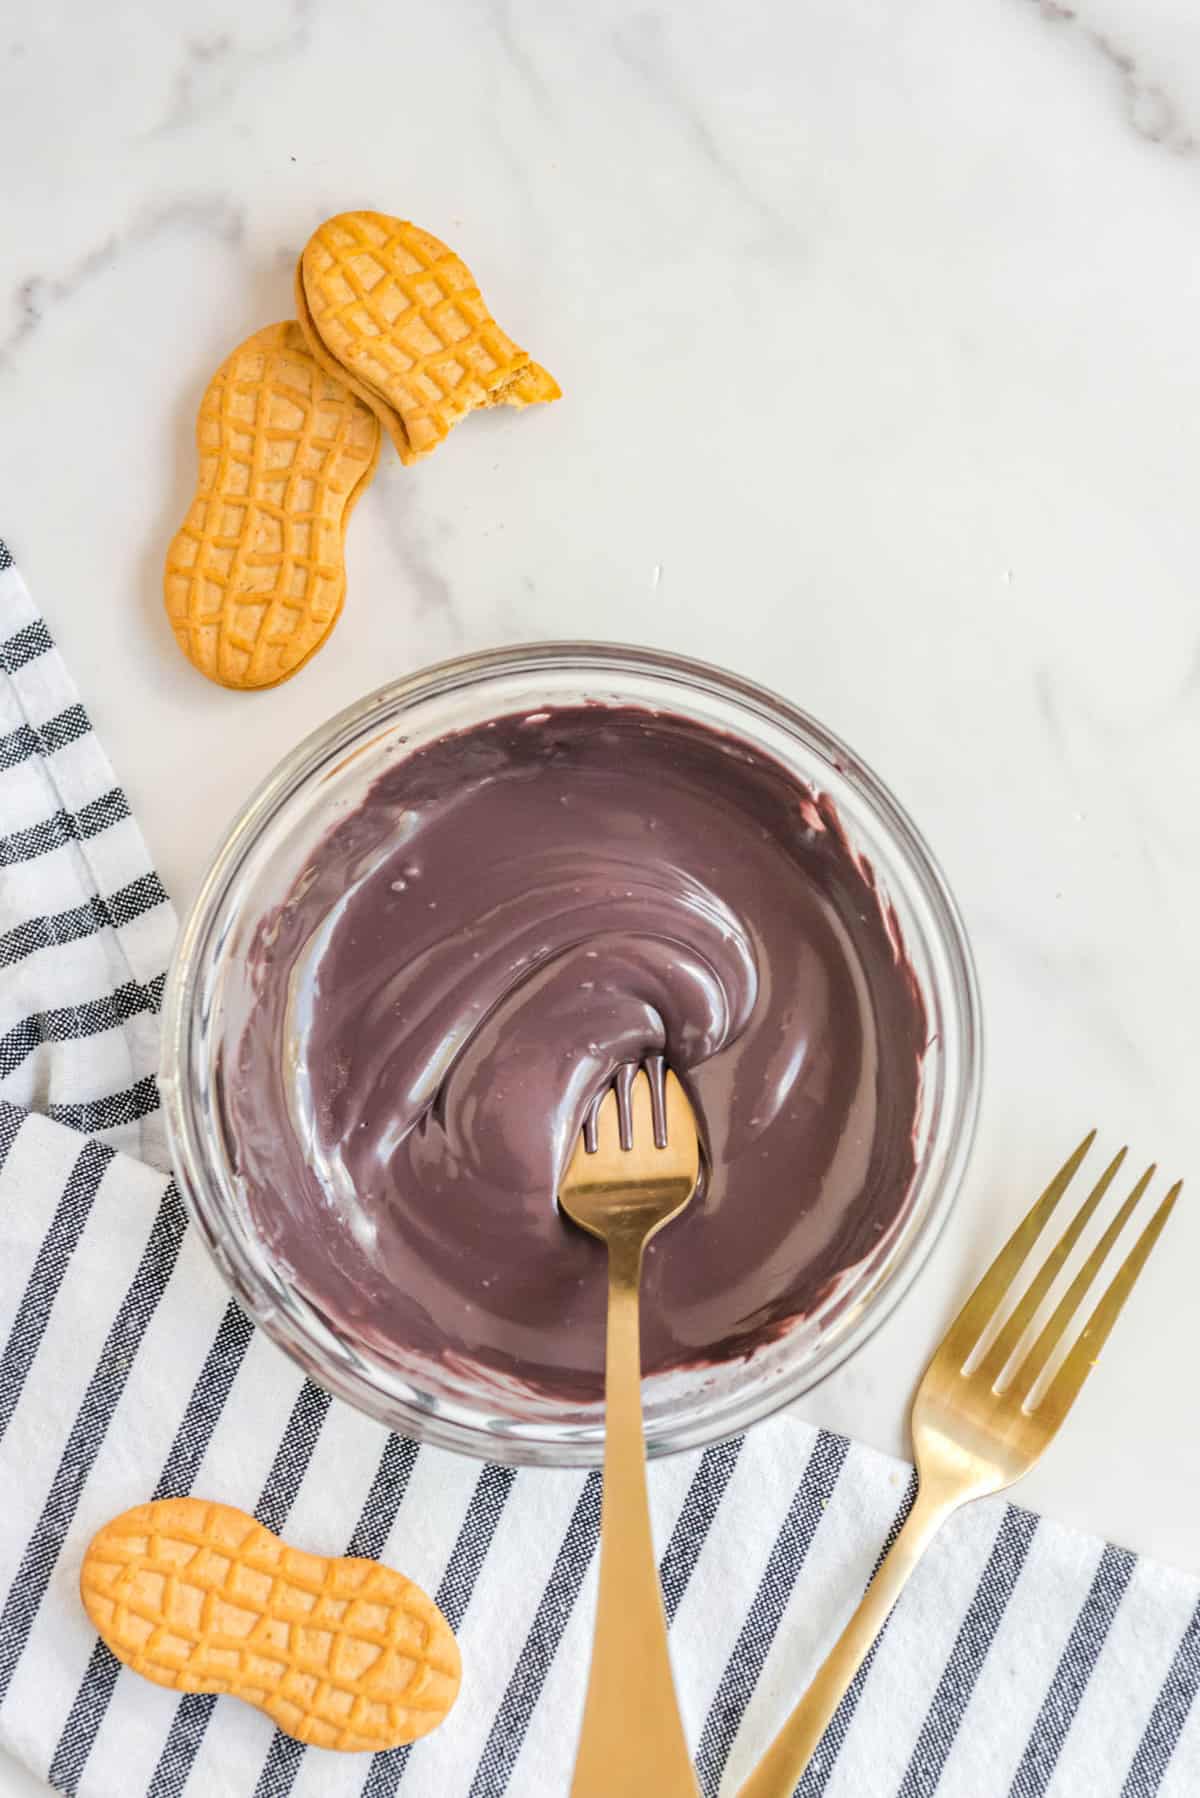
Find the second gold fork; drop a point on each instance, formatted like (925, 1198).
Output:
(980, 1421)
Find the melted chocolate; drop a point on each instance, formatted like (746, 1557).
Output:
(512, 914)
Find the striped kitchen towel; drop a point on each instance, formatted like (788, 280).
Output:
(1024, 1659)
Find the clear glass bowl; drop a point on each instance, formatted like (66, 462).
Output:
(208, 998)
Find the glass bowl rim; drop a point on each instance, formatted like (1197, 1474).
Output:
(266, 801)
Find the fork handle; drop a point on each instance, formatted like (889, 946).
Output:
(779, 1770)
(632, 1741)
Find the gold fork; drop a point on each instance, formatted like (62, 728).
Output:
(979, 1423)
(635, 1168)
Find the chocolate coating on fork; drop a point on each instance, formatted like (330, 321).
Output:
(654, 1068)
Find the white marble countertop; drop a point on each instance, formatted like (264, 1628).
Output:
(878, 331)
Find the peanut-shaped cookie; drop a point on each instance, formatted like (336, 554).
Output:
(390, 309)
(256, 576)
(340, 1652)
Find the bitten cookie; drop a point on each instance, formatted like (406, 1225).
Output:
(391, 309)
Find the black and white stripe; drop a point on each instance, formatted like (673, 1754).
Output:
(288, 1469)
(1075, 1668)
(1164, 1727)
(71, 1023)
(84, 897)
(695, 1518)
(27, 740)
(453, 1596)
(12, 1117)
(369, 1539)
(976, 1634)
(767, 1607)
(52, 930)
(821, 1767)
(204, 1408)
(26, 644)
(87, 1431)
(574, 1557)
(525, 1684)
(50, 1265)
(62, 827)
(92, 1116)
(383, 1501)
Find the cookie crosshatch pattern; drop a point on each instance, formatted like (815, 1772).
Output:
(256, 576)
(339, 1651)
(402, 313)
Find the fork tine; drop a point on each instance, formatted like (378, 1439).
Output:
(656, 1074)
(591, 1124)
(623, 1086)
(1000, 1353)
(979, 1309)
(1064, 1388)
(1052, 1331)
(602, 1122)
(628, 1112)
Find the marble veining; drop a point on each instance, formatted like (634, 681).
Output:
(517, 50)
(1152, 112)
(414, 541)
(213, 66)
(36, 295)
(640, 44)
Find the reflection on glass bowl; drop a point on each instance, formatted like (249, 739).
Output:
(448, 1398)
